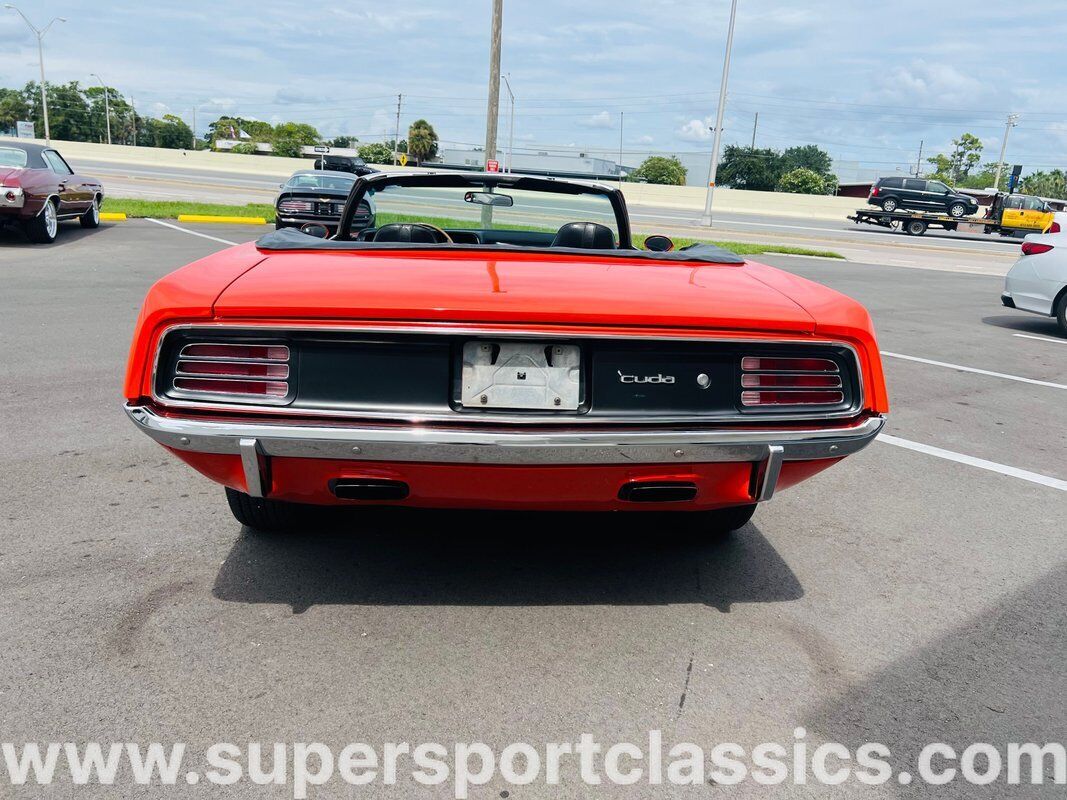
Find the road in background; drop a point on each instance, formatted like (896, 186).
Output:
(993, 254)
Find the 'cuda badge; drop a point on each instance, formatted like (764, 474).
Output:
(659, 378)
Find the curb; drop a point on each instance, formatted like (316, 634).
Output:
(226, 220)
(112, 216)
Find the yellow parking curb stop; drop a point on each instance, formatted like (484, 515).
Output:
(112, 216)
(227, 220)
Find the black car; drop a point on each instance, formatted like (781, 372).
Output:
(353, 164)
(892, 194)
(318, 196)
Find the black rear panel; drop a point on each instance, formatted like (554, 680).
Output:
(383, 374)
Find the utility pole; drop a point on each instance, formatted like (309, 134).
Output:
(1013, 120)
(493, 108)
(706, 219)
(755, 122)
(39, 33)
(511, 127)
(194, 129)
(107, 110)
(133, 111)
(919, 160)
(396, 137)
(622, 115)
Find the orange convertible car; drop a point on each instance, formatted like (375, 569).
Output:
(496, 341)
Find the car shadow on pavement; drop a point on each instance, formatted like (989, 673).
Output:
(1025, 323)
(403, 557)
(68, 232)
(997, 678)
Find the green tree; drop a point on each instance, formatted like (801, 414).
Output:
(661, 169)
(808, 156)
(170, 131)
(244, 149)
(1046, 184)
(344, 141)
(376, 153)
(801, 181)
(231, 127)
(966, 155)
(422, 140)
(13, 108)
(68, 111)
(286, 148)
(757, 169)
(299, 132)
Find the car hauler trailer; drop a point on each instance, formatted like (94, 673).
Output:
(1010, 215)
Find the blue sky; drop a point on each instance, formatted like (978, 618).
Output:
(864, 80)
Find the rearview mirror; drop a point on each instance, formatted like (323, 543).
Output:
(489, 199)
(659, 244)
(316, 230)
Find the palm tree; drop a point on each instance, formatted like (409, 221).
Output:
(422, 140)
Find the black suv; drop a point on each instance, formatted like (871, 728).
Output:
(892, 194)
(353, 164)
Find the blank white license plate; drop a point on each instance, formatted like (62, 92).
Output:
(521, 375)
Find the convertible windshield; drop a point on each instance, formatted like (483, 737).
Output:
(312, 181)
(476, 207)
(11, 157)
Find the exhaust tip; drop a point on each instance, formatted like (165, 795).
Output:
(369, 489)
(658, 492)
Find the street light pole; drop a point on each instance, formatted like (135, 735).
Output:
(511, 126)
(706, 219)
(39, 33)
(622, 119)
(107, 107)
(1013, 120)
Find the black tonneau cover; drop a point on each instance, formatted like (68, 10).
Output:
(293, 239)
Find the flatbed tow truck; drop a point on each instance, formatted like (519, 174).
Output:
(1010, 215)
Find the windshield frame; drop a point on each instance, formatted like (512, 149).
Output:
(476, 181)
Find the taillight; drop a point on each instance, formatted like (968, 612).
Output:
(233, 370)
(874, 191)
(1055, 227)
(779, 381)
(296, 206)
(1035, 248)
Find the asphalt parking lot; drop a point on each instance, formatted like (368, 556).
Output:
(903, 597)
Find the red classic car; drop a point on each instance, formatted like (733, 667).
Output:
(517, 353)
(38, 189)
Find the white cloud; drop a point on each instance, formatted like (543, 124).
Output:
(696, 130)
(598, 120)
(646, 139)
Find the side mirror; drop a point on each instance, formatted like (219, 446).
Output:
(659, 244)
(281, 185)
(316, 230)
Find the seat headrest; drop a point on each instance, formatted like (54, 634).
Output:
(409, 232)
(588, 235)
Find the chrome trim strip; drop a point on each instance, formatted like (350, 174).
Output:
(505, 332)
(503, 446)
(254, 482)
(771, 469)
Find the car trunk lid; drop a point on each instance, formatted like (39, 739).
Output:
(508, 288)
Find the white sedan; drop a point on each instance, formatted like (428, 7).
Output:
(1038, 280)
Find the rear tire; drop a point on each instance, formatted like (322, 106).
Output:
(91, 218)
(43, 228)
(890, 204)
(915, 227)
(263, 514)
(1061, 314)
(957, 210)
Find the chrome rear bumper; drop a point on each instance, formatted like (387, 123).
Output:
(470, 446)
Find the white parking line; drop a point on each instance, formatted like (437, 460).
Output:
(981, 463)
(1040, 338)
(959, 368)
(191, 233)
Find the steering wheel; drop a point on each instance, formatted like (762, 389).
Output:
(415, 232)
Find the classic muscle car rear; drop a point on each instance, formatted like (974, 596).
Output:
(497, 342)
